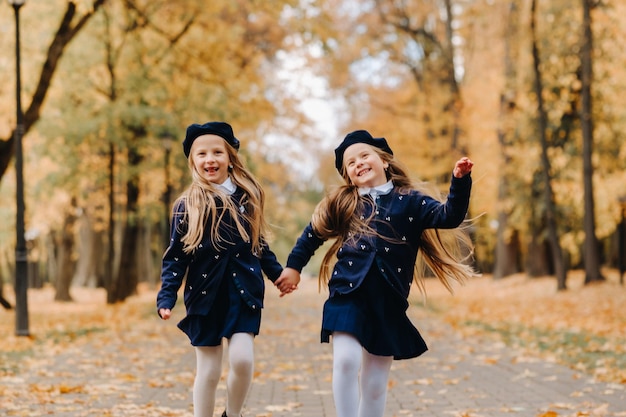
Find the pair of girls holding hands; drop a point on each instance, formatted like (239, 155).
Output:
(378, 220)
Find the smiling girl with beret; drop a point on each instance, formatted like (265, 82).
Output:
(217, 241)
(379, 221)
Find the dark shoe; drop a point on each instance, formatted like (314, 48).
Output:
(224, 414)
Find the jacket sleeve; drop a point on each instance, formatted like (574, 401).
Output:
(269, 264)
(174, 264)
(305, 247)
(452, 212)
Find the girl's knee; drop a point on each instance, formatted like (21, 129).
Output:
(374, 390)
(209, 378)
(242, 365)
(349, 364)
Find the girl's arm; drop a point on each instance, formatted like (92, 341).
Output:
(451, 213)
(173, 267)
(269, 263)
(305, 247)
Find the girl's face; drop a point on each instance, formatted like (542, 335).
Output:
(210, 158)
(364, 166)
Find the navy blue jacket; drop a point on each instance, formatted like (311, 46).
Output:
(402, 217)
(207, 266)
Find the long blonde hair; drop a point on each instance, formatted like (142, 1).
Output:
(444, 252)
(201, 207)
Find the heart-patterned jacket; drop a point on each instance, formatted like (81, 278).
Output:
(401, 218)
(207, 266)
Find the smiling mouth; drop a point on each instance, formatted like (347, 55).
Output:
(363, 172)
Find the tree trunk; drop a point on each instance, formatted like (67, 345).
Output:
(90, 255)
(538, 258)
(126, 279)
(456, 101)
(66, 263)
(507, 254)
(548, 195)
(148, 252)
(591, 251)
(109, 271)
(507, 250)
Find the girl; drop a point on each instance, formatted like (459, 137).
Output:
(217, 240)
(379, 222)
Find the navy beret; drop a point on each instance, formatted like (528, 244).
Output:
(359, 136)
(211, 128)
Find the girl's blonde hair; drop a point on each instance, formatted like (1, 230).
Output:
(444, 252)
(200, 203)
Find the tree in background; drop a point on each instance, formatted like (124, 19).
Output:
(72, 23)
(591, 252)
(436, 77)
(548, 215)
(70, 26)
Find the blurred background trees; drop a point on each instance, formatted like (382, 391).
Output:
(110, 86)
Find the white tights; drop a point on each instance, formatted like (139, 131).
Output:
(354, 397)
(209, 370)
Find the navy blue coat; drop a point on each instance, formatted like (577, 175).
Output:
(402, 217)
(207, 266)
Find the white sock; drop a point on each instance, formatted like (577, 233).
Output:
(208, 373)
(241, 368)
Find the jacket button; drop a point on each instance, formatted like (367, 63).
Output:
(241, 291)
(350, 285)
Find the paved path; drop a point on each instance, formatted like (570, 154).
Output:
(148, 371)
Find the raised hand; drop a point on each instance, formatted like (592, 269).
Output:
(462, 167)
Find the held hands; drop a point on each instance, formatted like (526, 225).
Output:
(288, 281)
(462, 167)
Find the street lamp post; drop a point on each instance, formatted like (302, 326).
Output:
(21, 262)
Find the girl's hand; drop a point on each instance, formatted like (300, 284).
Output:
(165, 313)
(288, 281)
(462, 167)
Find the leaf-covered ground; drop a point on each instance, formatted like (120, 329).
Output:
(583, 327)
(87, 358)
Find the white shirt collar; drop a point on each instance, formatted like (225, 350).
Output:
(378, 190)
(227, 186)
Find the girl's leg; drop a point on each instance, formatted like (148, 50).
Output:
(347, 357)
(374, 378)
(241, 367)
(208, 372)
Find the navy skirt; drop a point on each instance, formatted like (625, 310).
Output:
(229, 315)
(376, 315)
